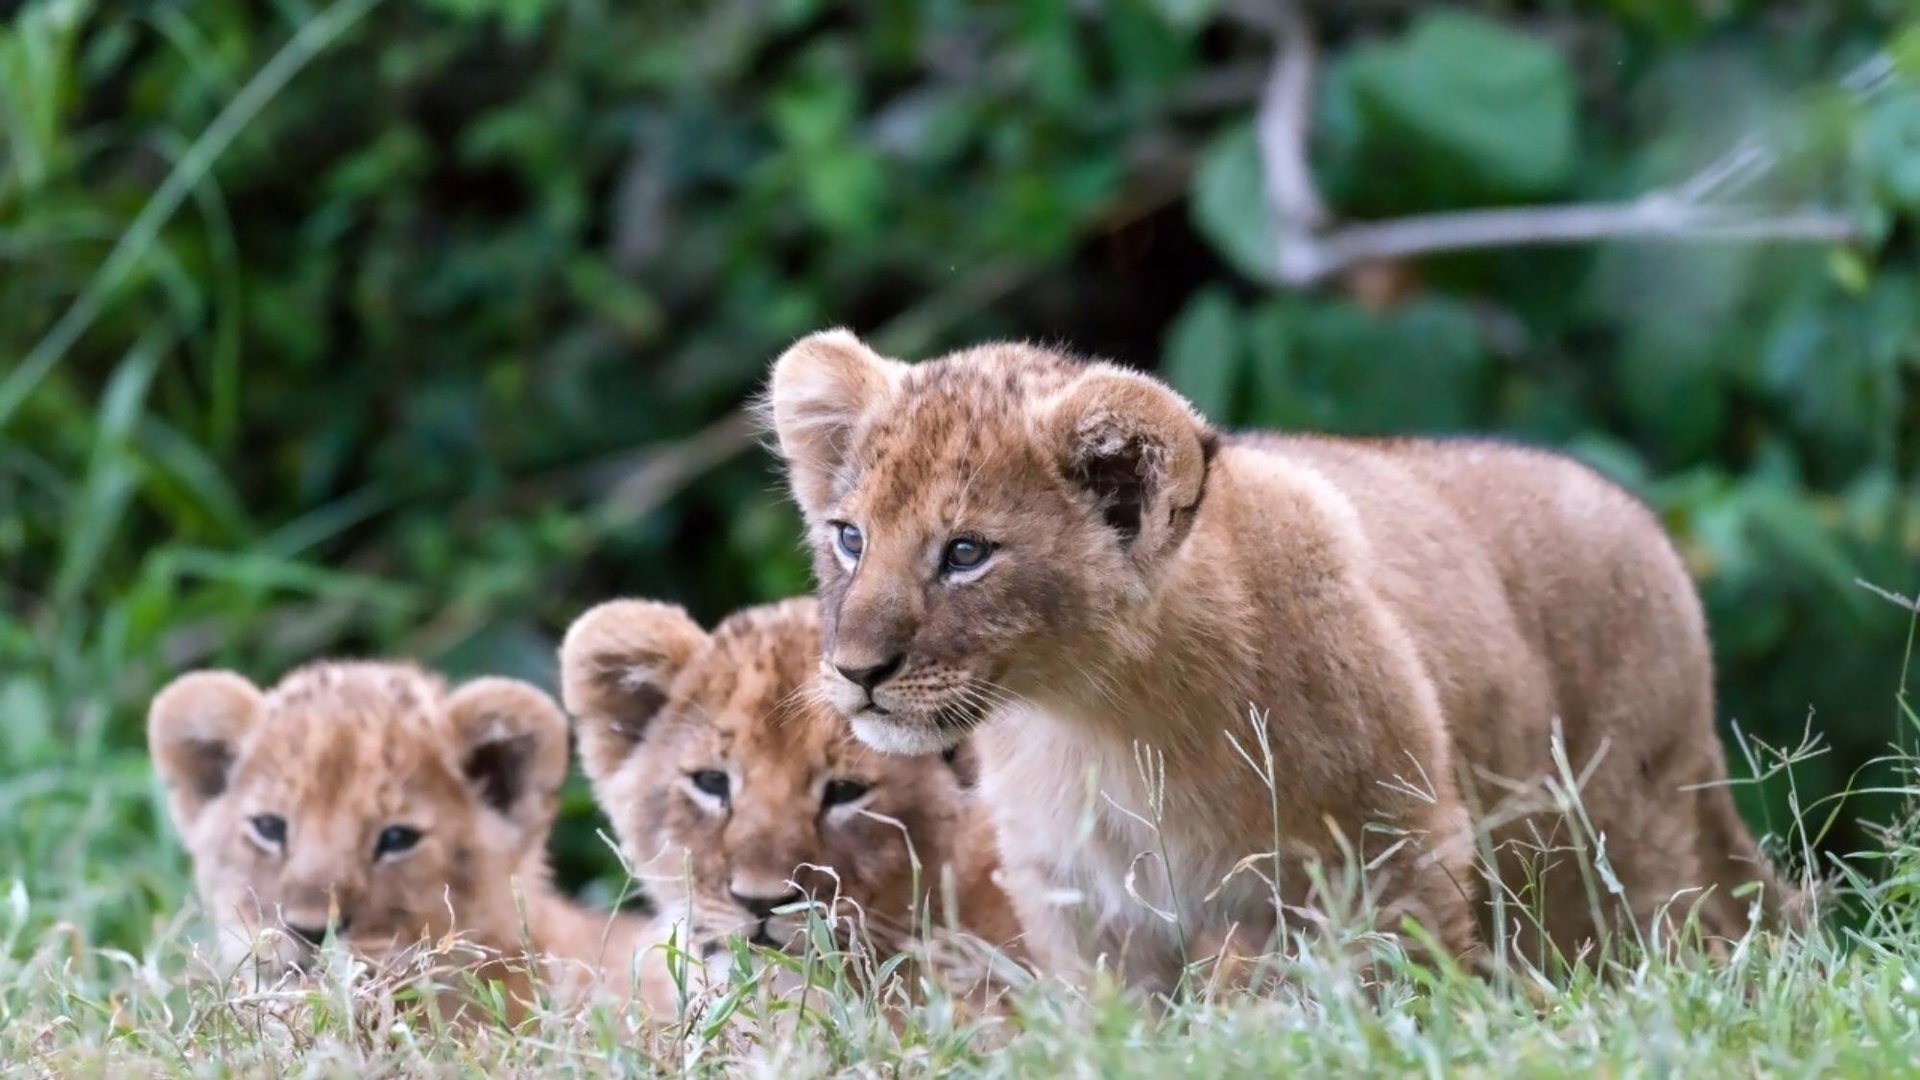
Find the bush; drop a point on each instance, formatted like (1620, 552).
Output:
(445, 343)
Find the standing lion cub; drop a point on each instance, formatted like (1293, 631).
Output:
(1064, 560)
(368, 802)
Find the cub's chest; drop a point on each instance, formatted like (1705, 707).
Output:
(1101, 824)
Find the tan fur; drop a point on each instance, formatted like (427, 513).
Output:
(1414, 619)
(657, 699)
(343, 750)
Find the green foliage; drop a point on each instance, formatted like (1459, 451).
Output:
(416, 327)
(1230, 202)
(1468, 95)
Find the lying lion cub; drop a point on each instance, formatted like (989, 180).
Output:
(737, 795)
(1064, 559)
(366, 801)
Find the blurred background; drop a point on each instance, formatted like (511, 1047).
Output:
(416, 327)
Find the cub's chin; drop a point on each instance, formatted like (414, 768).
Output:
(891, 734)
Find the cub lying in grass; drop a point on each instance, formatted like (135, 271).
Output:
(1065, 561)
(368, 802)
(737, 795)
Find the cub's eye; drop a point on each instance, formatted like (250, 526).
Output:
(852, 541)
(711, 781)
(965, 554)
(395, 839)
(841, 792)
(270, 828)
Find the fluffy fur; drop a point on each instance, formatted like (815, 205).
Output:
(659, 702)
(282, 797)
(1414, 620)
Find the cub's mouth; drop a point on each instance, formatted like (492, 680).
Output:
(907, 736)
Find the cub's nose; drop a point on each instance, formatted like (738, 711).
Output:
(763, 906)
(866, 678)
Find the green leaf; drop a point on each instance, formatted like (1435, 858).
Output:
(1335, 366)
(113, 476)
(815, 115)
(1185, 14)
(1230, 202)
(1496, 105)
(1204, 351)
(845, 189)
(520, 17)
(1889, 147)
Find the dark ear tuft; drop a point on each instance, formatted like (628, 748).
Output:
(1114, 477)
(1140, 453)
(496, 769)
(195, 728)
(616, 666)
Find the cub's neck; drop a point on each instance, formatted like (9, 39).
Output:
(1170, 669)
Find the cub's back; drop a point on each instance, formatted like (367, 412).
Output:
(1536, 588)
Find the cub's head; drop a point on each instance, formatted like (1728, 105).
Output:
(361, 799)
(734, 790)
(978, 521)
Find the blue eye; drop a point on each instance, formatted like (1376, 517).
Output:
(852, 541)
(395, 839)
(965, 554)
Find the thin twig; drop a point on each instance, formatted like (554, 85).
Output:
(659, 472)
(1307, 251)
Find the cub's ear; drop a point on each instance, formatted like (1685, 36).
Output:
(194, 731)
(510, 742)
(821, 389)
(1138, 450)
(616, 665)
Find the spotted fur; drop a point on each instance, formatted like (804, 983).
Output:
(1412, 619)
(657, 700)
(338, 753)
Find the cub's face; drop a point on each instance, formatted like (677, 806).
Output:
(733, 789)
(979, 522)
(361, 800)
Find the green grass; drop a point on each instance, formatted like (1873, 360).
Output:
(100, 974)
(1826, 1003)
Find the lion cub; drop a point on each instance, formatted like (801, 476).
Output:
(1066, 561)
(737, 795)
(369, 802)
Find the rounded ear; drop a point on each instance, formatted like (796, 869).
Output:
(616, 665)
(510, 742)
(820, 390)
(1138, 450)
(194, 731)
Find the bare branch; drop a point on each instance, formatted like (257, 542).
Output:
(1308, 251)
(1655, 217)
(1285, 123)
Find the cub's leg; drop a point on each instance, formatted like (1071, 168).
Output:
(1430, 880)
(1072, 941)
(1049, 934)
